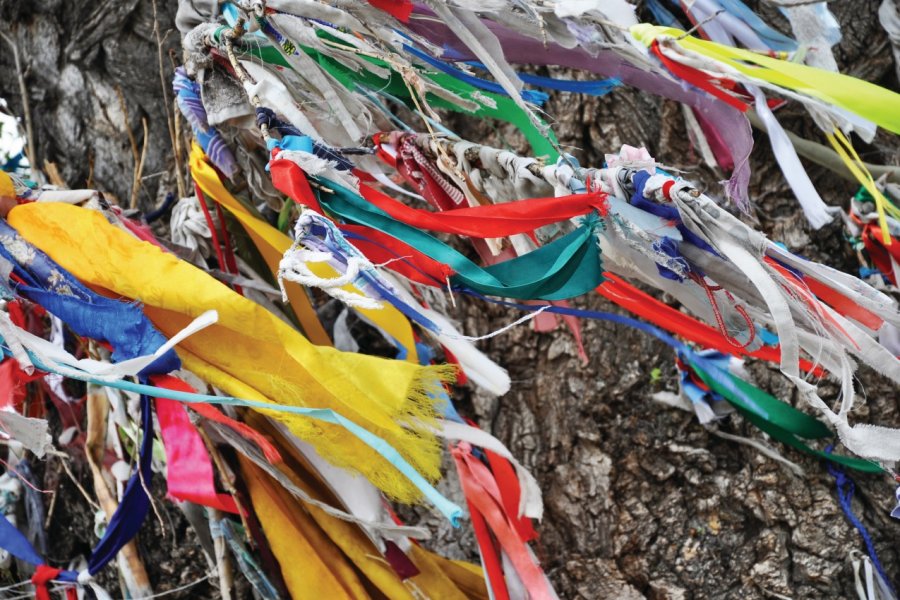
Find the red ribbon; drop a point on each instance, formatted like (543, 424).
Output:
(44, 574)
(879, 253)
(510, 493)
(484, 497)
(492, 220)
(399, 9)
(662, 315)
(699, 79)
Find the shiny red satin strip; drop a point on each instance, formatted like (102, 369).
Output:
(843, 304)
(439, 198)
(482, 492)
(662, 315)
(510, 493)
(491, 220)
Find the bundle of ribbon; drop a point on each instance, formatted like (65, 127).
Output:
(264, 417)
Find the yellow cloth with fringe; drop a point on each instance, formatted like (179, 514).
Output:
(250, 353)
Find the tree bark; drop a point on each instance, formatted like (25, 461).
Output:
(641, 500)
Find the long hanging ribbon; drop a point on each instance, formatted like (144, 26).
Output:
(129, 333)
(481, 491)
(845, 150)
(450, 510)
(273, 244)
(189, 468)
(251, 353)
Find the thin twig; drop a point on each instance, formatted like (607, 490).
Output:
(182, 192)
(78, 485)
(136, 187)
(131, 138)
(711, 17)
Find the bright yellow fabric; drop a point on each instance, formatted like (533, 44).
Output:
(310, 564)
(250, 352)
(438, 577)
(272, 244)
(867, 100)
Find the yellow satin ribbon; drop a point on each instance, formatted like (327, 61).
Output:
(437, 578)
(272, 244)
(250, 352)
(865, 99)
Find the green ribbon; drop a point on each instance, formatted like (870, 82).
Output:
(780, 420)
(566, 267)
(505, 109)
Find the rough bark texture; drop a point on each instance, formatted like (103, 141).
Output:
(641, 500)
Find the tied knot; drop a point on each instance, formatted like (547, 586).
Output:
(84, 577)
(43, 575)
(265, 117)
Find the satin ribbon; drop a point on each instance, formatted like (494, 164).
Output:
(401, 9)
(272, 244)
(189, 469)
(865, 99)
(564, 268)
(129, 333)
(484, 497)
(492, 220)
(409, 163)
(496, 106)
(700, 79)
(537, 98)
(760, 408)
(251, 353)
(781, 420)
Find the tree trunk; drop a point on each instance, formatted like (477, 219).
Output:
(641, 500)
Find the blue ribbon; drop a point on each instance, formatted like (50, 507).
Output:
(532, 96)
(706, 364)
(594, 87)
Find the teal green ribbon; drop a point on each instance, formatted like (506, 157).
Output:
(566, 267)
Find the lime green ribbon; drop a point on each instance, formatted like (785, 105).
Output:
(869, 101)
